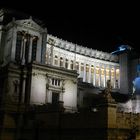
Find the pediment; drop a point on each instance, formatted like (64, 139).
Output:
(29, 23)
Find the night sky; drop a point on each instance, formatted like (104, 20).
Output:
(98, 25)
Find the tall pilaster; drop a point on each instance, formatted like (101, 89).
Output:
(38, 50)
(13, 49)
(43, 46)
(23, 51)
(30, 50)
(49, 96)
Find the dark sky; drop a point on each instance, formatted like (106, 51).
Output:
(98, 25)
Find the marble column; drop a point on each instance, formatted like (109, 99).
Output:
(99, 75)
(30, 50)
(114, 77)
(52, 47)
(104, 75)
(84, 76)
(94, 80)
(23, 51)
(13, 49)
(61, 96)
(79, 71)
(89, 74)
(110, 73)
(49, 96)
(38, 49)
(23, 90)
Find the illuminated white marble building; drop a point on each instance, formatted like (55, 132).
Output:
(93, 66)
(50, 66)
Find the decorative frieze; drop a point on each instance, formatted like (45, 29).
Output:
(83, 50)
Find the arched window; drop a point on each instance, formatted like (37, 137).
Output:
(61, 62)
(55, 60)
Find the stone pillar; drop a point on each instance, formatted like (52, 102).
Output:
(38, 50)
(23, 90)
(74, 61)
(99, 75)
(94, 80)
(89, 77)
(30, 50)
(23, 52)
(49, 96)
(61, 96)
(104, 75)
(84, 76)
(52, 47)
(13, 49)
(110, 73)
(114, 77)
(119, 79)
(43, 46)
(79, 71)
(1, 44)
(108, 109)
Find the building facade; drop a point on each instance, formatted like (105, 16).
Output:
(38, 70)
(24, 42)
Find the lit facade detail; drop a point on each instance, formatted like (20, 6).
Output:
(57, 65)
(92, 66)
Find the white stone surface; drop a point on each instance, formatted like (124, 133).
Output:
(70, 94)
(38, 89)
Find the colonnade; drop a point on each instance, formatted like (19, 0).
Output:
(95, 73)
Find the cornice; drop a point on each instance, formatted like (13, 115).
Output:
(89, 52)
(48, 69)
